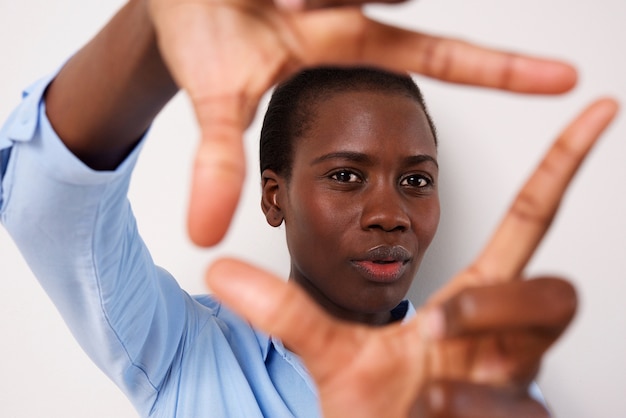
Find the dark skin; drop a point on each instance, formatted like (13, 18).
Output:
(361, 205)
(475, 346)
(226, 54)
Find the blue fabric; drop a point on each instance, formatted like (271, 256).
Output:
(172, 354)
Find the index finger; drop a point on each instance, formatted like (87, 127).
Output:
(535, 206)
(350, 38)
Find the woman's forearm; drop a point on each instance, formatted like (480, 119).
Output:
(107, 95)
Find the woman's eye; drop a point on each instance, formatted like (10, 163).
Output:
(415, 181)
(345, 177)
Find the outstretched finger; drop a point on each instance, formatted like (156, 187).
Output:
(224, 96)
(218, 172)
(283, 310)
(350, 38)
(349, 362)
(544, 306)
(509, 326)
(535, 206)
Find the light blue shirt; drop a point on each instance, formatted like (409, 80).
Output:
(172, 354)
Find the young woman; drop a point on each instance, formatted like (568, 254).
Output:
(349, 164)
(359, 214)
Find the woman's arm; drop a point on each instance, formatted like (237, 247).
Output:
(226, 54)
(107, 95)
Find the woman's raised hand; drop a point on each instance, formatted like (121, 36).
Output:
(475, 346)
(227, 53)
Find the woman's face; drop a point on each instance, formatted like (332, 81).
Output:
(362, 205)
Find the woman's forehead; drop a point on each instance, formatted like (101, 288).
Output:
(355, 118)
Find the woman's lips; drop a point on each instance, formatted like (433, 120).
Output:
(383, 264)
(381, 272)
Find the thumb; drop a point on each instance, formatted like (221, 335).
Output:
(283, 310)
(218, 172)
(189, 40)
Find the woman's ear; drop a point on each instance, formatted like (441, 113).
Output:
(270, 202)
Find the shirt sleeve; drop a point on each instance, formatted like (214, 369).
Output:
(75, 228)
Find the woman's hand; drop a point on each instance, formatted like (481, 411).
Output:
(475, 346)
(227, 53)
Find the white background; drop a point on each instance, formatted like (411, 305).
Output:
(489, 143)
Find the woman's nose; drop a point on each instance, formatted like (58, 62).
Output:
(384, 208)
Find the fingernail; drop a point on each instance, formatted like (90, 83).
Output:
(290, 5)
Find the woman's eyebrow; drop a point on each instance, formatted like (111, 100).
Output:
(419, 159)
(344, 155)
(362, 158)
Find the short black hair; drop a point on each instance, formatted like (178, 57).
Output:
(291, 108)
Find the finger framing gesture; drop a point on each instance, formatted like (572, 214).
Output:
(484, 327)
(226, 54)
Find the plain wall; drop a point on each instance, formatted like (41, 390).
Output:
(489, 142)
